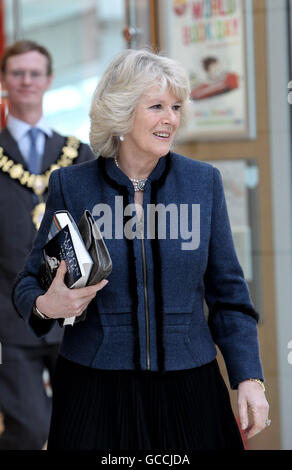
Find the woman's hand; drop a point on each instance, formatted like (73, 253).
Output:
(251, 397)
(61, 302)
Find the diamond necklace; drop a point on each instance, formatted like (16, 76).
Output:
(139, 185)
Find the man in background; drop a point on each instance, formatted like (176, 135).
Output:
(29, 151)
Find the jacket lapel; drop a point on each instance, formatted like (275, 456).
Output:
(53, 150)
(10, 147)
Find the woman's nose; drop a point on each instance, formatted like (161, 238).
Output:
(170, 116)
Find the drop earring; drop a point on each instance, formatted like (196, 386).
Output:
(122, 138)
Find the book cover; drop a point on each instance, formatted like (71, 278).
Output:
(58, 248)
(60, 220)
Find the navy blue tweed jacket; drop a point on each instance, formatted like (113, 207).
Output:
(151, 313)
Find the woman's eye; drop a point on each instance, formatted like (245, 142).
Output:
(176, 107)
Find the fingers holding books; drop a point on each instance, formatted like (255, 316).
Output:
(82, 291)
(67, 266)
(61, 302)
(61, 271)
(92, 290)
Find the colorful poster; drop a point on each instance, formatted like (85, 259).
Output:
(209, 37)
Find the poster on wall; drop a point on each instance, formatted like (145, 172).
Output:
(235, 174)
(213, 39)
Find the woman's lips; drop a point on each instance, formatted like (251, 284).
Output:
(162, 135)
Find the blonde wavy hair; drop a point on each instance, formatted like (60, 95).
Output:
(130, 74)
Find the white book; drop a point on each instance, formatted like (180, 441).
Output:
(62, 219)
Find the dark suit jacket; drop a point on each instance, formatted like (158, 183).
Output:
(17, 234)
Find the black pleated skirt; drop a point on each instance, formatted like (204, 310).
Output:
(138, 410)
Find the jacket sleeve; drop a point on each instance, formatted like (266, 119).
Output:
(26, 288)
(232, 317)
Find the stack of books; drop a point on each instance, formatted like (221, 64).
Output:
(65, 243)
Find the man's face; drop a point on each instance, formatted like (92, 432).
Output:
(26, 80)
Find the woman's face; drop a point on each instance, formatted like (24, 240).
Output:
(156, 120)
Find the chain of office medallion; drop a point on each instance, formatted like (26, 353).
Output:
(39, 183)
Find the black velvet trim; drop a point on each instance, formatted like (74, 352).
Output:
(157, 275)
(232, 307)
(155, 185)
(132, 265)
(133, 286)
(101, 164)
(158, 300)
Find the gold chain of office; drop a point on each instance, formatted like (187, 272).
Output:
(39, 183)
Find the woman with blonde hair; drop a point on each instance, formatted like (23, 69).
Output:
(140, 371)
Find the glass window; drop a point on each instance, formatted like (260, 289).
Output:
(82, 37)
(241, 182)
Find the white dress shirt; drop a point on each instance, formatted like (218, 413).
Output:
(18, 129)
